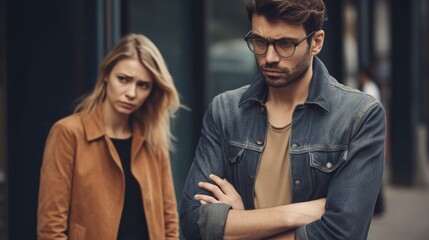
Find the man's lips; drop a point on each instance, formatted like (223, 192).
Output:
(271, 72)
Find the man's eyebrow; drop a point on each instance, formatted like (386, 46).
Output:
(282, 38)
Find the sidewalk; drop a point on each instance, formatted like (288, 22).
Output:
(406, 215)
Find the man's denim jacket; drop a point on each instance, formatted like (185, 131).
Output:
(336, 151)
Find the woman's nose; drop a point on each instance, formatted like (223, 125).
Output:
(131, 92)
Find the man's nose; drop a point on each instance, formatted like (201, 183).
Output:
(271, 56)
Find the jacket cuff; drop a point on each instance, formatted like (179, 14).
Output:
(212, 220)
(301, 233)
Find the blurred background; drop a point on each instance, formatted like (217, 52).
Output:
(50, 50)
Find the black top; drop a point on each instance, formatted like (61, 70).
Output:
(133, 222)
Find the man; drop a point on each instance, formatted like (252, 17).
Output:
(367, 83)
(272, 152)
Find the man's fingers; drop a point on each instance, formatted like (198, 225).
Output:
(219, 181)
(222, 190)
(214, 189)
(204, 199)
(224, 185)
(216, 179)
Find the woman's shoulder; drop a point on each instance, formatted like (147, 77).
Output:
(71, 123)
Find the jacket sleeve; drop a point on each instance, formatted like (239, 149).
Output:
(354, 188)
(171, 217)
(55, 184)
(194, 219)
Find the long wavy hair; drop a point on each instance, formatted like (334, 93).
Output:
(161, 105)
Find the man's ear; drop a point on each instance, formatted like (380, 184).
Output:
(317, 42)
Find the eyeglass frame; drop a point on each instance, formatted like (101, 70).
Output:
(268, 43)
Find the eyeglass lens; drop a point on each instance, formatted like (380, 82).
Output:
(259, 46)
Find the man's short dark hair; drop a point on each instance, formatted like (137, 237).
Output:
(310, 13)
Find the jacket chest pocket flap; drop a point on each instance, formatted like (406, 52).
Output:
(327, 161)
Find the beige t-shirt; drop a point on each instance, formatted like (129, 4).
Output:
(273, 179)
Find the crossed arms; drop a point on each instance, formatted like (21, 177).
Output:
(275, 222)
(350, 195)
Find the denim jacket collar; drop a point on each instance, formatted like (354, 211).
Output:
(319, 88)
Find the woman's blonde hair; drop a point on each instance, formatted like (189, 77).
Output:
(163, 101)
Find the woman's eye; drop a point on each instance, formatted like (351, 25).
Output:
(144, 85)
(123, 79)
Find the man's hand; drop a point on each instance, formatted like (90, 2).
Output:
(273, 223)
(223, 192)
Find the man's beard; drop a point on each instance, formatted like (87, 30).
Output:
(291, 75)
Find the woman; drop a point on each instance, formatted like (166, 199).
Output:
(106, 168)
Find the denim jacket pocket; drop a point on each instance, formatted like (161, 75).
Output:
(323, 165)
(328, 161)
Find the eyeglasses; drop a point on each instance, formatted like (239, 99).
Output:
(284, 48)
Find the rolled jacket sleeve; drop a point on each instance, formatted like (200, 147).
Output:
(212, 220)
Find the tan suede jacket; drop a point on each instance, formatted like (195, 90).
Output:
(82, 183)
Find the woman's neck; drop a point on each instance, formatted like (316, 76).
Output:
(116, 125)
